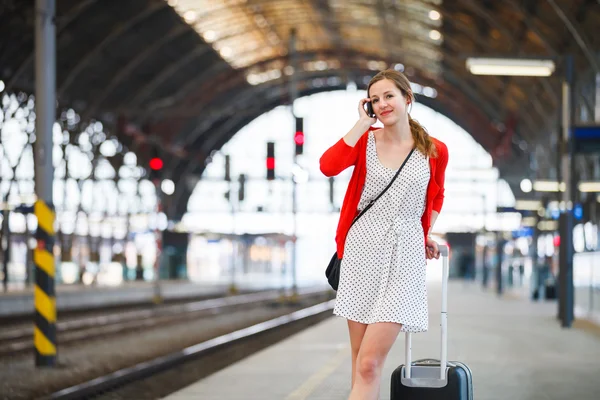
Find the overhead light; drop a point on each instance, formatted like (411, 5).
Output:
(589, 187)
(225, 51)
(548, 225)
(288, 70)
(434, 15)
(435, 35)
(511, 67)
(168, 187)
(209, 36)
(190, 16)
(527, 205)
(526, 185)
(528, 221)
(548, 186)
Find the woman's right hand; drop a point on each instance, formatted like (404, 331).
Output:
(363, 114)
(361, 126)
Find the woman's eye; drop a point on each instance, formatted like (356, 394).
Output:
(389, 95)
(373, 101)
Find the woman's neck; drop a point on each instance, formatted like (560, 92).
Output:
(398, 133)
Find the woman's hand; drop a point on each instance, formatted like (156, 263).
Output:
(361, 126)
(431, 249)
(363, 114)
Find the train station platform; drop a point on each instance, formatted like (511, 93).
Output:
(515, 348)
(19, 302)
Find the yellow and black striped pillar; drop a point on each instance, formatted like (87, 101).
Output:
(44, 298)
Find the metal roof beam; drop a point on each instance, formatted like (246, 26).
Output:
(577, 33)
(146, 91)
(130, 66)
(488, 17)
(119, 30)
(206, 122)
(527, 19)
(62, 24)
(208, 75)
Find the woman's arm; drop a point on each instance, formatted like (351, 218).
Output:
(440, 178)
(344, 153)
(431, 246)
(337, 158)
(434, 215)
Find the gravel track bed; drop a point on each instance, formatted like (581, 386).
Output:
(20, 379)
(161, 385)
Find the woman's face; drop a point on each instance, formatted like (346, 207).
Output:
(389, 104)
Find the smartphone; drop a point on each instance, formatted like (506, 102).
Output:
(370, 112)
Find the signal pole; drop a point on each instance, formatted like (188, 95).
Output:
(156, 165)
(44, 299)
(293, 96)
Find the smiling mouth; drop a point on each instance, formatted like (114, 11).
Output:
(386, 113)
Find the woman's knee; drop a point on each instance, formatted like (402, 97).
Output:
(368, 368)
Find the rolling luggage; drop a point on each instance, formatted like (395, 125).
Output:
(429, 379)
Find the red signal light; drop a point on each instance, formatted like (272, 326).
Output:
(299, 138)
(270, 161)
(156, 163)
(556, 241)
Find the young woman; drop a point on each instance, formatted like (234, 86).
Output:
(382, 289)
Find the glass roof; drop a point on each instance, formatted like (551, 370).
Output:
(247, 32)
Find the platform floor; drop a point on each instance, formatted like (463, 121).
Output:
(515, 348)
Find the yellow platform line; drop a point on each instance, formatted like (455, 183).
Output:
(309, 386)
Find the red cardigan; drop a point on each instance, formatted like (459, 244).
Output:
(341, 156)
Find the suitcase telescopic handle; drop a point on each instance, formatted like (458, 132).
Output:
(444, 252)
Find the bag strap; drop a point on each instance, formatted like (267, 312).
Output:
(384, 190)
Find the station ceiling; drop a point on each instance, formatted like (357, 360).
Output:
(186, 75)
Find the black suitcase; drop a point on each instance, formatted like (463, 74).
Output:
(426, 379)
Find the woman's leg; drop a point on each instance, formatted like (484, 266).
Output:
(357, 331)
(376, 343)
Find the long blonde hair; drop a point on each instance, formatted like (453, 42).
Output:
(423, 141)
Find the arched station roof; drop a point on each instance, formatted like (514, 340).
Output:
(186, 75)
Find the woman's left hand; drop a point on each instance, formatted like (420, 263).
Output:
(431, 249)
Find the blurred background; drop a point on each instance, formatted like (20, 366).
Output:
(178, 144)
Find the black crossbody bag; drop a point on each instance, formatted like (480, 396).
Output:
(332, 272)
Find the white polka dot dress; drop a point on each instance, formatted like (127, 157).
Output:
(382, 276)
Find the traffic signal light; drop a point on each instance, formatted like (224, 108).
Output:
(299, 136)
(227, 168)
(270, 161)
(156, 165)
(242, 189)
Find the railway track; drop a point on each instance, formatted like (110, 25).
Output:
(19, 340)
(168, 373)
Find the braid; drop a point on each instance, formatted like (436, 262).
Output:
(422, 139)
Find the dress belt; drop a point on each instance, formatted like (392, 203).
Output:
(401, 224)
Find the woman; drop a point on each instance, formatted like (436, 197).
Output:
(382, 289)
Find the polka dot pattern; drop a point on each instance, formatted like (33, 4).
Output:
(382, 276)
